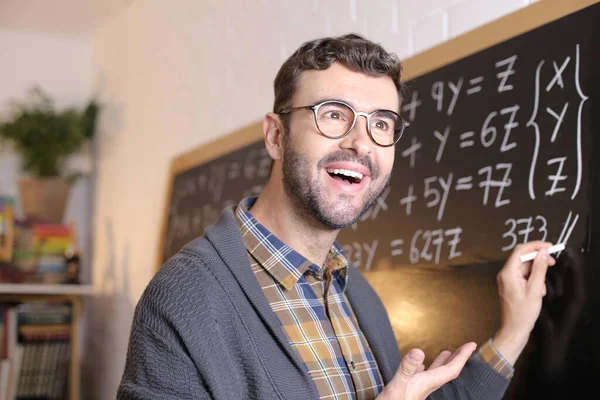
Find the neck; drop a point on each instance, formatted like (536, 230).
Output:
(274, 210)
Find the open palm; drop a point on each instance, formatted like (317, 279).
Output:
(413, 382)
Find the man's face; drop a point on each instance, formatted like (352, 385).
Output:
(316, 168)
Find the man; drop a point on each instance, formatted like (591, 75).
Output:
(265, 305)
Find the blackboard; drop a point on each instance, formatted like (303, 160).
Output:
(500, 150)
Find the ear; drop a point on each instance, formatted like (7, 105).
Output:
(273, 132)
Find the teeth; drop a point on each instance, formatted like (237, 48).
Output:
(346, 172)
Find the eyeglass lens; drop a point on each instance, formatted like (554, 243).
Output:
(335, 119)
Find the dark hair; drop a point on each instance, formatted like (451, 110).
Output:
(352, 50)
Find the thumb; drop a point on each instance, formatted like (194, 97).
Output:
(538, 272)
(410, 364)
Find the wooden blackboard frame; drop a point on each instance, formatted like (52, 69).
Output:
(200, 155)
(488, 35)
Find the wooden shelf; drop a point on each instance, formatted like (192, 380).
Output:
(72, 293)
(42, 289)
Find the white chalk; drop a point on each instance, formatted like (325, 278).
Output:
(553, 249)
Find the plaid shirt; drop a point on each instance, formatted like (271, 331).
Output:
(316, 316)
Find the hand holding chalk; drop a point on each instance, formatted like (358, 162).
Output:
(553, 249)
(521, 288)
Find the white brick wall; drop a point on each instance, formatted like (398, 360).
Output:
(431, 31)
(469, 14)
(175, 75)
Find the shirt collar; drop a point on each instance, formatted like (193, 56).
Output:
(281, 261)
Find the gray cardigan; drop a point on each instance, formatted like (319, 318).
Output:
(203, 329)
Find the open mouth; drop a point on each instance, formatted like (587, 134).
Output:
(345, 175)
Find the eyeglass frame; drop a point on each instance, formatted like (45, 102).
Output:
(315, 110)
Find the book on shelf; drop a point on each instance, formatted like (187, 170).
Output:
(42, 253)
(36, 340)
(6, 227)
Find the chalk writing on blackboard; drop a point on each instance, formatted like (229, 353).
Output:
(494, 157)
(199, 197)
(518, 142)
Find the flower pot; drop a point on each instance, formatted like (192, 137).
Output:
(44, 198)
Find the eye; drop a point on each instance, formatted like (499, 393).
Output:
(384, 121)
(333, 112)
(381, 125)
(334, 115)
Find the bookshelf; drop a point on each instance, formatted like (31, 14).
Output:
(72, 294)
(45, 289)
(41, 287)
(30, 252)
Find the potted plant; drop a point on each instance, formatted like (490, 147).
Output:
(45, 137)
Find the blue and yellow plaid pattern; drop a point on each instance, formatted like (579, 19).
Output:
(316, 316)
(314, 312)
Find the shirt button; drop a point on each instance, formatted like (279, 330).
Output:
(352, 363)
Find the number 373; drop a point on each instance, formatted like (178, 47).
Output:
(521, 229)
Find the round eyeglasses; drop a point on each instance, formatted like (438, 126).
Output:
(335, 119)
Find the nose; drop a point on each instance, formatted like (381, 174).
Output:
(358, 140)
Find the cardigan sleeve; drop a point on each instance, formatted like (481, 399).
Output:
(477, 381)
(158, 368)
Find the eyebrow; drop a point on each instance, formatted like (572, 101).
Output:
(334, 99)
(352, 104)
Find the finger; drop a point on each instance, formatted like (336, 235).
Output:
(445, 373)
(525, 269)
(420, 369)
(462, 354)
(409, 365)
(544, 290)
(441, 359)
(459, 350)
(522, 249)
(539, 269)
(514, 265)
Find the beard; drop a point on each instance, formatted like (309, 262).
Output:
(311, 197)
